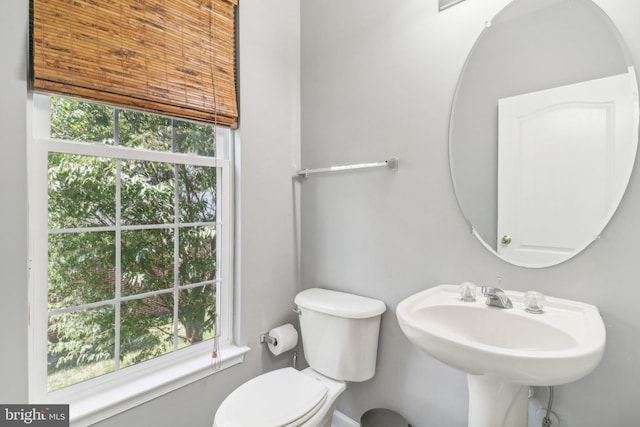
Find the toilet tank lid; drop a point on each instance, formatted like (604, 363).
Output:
(339, 304)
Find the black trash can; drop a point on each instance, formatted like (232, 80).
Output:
(380, 417)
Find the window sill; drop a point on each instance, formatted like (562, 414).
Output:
(104, 401)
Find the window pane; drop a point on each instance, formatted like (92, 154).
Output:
(81, 121)
(146, 329)
(81, 346)
(162, 221)
(82, 191)
(81, 268)
(197, 314)
(142, 130)
(148, 192)
(195, 138)
(147, 260)
(197, 193)
(197, 254)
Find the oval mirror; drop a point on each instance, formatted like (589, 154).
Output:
(544, 130)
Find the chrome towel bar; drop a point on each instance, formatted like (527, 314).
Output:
(391, 163)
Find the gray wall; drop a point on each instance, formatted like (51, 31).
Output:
(378, 78)
(267, 275)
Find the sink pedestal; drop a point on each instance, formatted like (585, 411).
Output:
(495, 403)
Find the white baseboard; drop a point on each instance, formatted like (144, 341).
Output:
(341, 420)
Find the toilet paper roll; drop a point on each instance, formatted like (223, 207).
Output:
(286, 338)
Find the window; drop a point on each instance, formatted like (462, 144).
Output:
(131, 250)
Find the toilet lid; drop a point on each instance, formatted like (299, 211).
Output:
(274, 399)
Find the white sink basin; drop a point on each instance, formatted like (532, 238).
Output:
(499, 346)
(561, 345)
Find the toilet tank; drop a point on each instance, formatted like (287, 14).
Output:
(340, 333)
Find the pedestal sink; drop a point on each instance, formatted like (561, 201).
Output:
(503, 351)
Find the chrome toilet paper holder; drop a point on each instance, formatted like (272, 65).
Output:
(268, 339)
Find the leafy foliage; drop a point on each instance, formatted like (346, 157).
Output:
(87, 193)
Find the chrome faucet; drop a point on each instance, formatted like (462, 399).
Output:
(496, 297)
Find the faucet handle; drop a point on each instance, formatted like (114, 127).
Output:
(467, 292)
(534, 302)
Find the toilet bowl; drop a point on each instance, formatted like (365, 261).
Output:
(340, 340)
(282, 398)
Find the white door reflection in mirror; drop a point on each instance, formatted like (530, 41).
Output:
(564, 155)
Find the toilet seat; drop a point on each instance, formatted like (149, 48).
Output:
(281, 398)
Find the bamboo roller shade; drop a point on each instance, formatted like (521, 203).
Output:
(172, 57)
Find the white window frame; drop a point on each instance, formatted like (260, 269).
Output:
(107, 395)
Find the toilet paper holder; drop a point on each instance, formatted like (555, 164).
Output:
(268, 339)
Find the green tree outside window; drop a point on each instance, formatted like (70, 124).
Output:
(165, 216)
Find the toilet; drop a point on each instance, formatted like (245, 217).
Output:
(340, 341)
